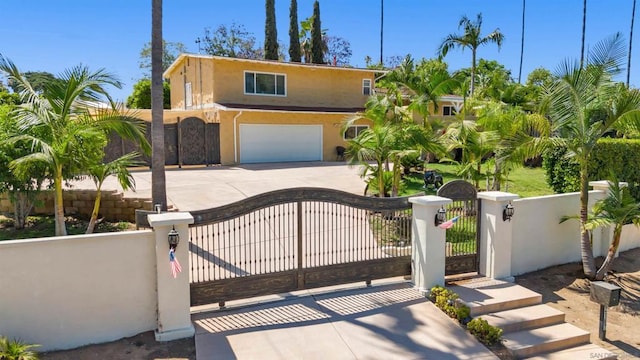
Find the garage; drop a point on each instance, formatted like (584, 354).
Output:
(280, 143)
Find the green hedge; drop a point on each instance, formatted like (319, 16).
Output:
(622, 156)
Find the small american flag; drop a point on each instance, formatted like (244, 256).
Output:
(448, 224)
(175, 265)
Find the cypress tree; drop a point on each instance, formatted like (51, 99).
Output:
(294, 33)
(270, 32)
(317, 55)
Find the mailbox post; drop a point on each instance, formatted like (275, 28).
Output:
(606, 295)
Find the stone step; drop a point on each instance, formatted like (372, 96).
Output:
(583, 352)
(485, 296)
(545, 339)
(525, 318)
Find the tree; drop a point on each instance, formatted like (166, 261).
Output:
(633, 17)
(583, 104)
(64, 132)
(170, 52)
(471, 39)
(584, 28)
(233, 41)
(522, 43)
(270, 32)
(491, 77)
(317, 45)
(338, 51)
(37, 79)
(100, 172)
(158, 177)
(140, 98)
(294, 36)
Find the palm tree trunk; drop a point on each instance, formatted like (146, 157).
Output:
(588, 263)
(158, 179)
(617, 231)
(473, 70)
(633, 16)
(584, 28)
(95, 211)
(61, 229)
(522, 44)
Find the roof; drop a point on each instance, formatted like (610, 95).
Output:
(183, 56)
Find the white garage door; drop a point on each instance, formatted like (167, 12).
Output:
(280, 143)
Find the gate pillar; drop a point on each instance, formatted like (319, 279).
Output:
(496, 235)
(174, 316)
(427, 242)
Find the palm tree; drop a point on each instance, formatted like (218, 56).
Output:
(633, 17)
(522, 43)
(158, 178)
(583, 104)
(64, 130)
(584, 28)
(471, 39)
(100, 172)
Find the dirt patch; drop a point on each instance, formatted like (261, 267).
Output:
(564, 288)
(140, 347)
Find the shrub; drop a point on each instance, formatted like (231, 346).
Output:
(16, 350)
(448, 301)
(487, 334)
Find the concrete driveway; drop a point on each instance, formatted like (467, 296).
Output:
(196, 188)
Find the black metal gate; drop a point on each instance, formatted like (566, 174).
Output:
(296, 239)
(462, 241)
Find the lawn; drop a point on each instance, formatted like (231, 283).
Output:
(526, 182)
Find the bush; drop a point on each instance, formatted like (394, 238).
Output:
(563, 173)
(487, 334)
(448, 301)
(16, 350)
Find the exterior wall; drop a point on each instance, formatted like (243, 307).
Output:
(221, 80)
(172, 116)
(331, 125)
(64, 292)
(113, 205)
(540, 241)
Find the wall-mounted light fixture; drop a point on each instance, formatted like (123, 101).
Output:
(441, 216)
(174, 238)
(508, 212)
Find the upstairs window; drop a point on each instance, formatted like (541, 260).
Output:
(448, 110)
(353, 131)
(366, 87)
(264, 84)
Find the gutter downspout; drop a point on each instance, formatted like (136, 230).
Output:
(235, 137)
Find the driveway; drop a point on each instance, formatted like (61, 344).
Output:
(196, 188)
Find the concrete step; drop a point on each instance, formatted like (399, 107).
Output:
(545, 339)
(485, 296)
(583, 352)
(525, 318)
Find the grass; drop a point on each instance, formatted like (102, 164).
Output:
(44, 226)
(525, 182)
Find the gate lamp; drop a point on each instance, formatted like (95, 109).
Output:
(441, 216)
(508, 212)
(174, 238)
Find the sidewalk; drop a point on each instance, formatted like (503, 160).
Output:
(380, 322)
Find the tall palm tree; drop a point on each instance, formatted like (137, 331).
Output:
(522, 43)
(583, 104)
(472, 39)
(633, 17)
(65, 132)
(100, 172)
(158, 178)
(584, 28)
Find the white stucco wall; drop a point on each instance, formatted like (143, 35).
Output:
(539, 240)
(64, 292)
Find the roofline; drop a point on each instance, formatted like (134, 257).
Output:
(183, 56)
(225, 108)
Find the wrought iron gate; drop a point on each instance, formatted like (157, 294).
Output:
(296, 239)
(462, 242)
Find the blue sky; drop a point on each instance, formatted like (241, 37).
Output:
(45, 35)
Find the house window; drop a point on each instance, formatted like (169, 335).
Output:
(264, 84)
(448, 110)
(366, 87)
(188, 95)
(353, 131)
